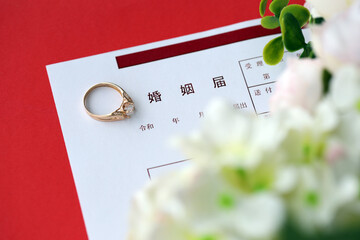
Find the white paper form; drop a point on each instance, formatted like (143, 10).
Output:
(112, 160)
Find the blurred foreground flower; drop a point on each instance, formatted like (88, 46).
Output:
(292, 176)
(336, 42)
(329, 9)
(198, 203)
(299, 85)
(248, 175)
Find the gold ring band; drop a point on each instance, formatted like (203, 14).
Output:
(126, 108)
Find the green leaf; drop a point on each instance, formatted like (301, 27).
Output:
(308, 52)
(317, 20)
(293, 37)
(301, 13)
(326, 78)
(274, 51)
(262, 7)
(277, 5)
(270, 22)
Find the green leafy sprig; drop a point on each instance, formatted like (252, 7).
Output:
(290, 19)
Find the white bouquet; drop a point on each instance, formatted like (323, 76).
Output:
(294, 175)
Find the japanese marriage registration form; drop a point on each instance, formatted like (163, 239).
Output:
(171, 82)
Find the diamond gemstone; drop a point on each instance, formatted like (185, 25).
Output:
(129, 108)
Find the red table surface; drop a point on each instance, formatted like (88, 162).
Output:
(38, 199)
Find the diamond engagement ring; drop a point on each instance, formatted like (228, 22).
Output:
(126, 108)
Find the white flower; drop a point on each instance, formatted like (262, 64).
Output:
(244, 148)
(261, 154)
(345, 88)
(335, 152)
(229, 138)
(306, 135)
(343, 151)
(345, 95)
(260, 216)
(198, 204)
(247, 171)
(329, 8)
(299, 85)
(336, 42)
(320, 197)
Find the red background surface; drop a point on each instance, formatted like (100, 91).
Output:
(38, 198)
